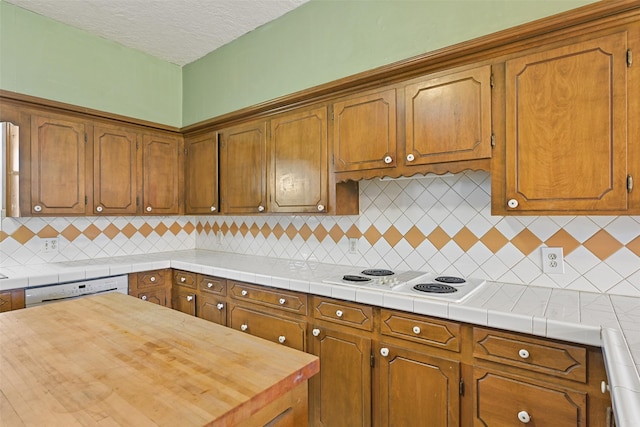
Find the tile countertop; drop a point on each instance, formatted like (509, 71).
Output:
(608, 321)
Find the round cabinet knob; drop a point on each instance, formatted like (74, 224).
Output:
(410, 157)
(416, 330)
(37, 208)
(512, 203)
(213, 208)
(384, 351)
(320, 208)
(244, 327)
(152, 279)
(260, 208)
(388, 159)
(523, 353)
(604, 387)
(339, 313)
(183, 279)
(220, 306)
(244, 293)
(99, 209)
(281, 339)
(209, 285)
(189, 298)
(315, 332)
(149, 209)
(524, 417)
(143, 297)
(282, 301)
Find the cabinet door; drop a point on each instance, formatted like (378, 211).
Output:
(115, 170)
(504, 401)
(448, 118)
(201, 174)
(243, 175)
(416, 389)
(299, 162)
(212, 308)
(161, 175)
(184, 300)
(566, 124)
(364, 132)
(58, 149)
(340, 395)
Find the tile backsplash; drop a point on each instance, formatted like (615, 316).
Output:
(440, 224)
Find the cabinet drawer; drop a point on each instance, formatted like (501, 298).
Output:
(287, 332)
(432, 332)
(212, 308)
(270, 297)
(155, 295)
(354, 315)
(505, 401)
(152, 278)
(184, 300)
(185, 278)
(544, 356)
(212, 285)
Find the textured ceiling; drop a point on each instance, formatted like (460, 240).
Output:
(177, 31)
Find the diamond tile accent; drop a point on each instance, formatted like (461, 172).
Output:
(602, 245)
(291, 231)
(48, 232)
(175, 228)
(494, 240)
(112, 231)
(305, 232)
(23, 234)
(146, 229)
(392, 236)
(335, 233)
(320, 232)
(71, 233)
(244, 229)
(415, 237)
(563, 240)
(266, 230)
(234, 229)
(352, 233)
(465, 239)
(526, 241)
(634, 246)
(188, 227)
(372, 235)
(439, 238)
(161, 229)
(278, 231)
(92, 232)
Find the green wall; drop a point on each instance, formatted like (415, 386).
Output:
(324, 40)
(320, 41)
(44, 58)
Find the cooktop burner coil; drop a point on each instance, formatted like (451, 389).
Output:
(354, 278)
(450, 279)
(377, 272)
(435, 288)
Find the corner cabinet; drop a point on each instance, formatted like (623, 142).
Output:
(201, 174)
(243, 168)
(59, 149)
(298, 162)
(569, 122)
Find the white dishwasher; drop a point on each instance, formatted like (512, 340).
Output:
(65, 291)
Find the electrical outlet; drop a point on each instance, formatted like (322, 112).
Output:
(353, 245)
(50, 245)
(219, 237)
(552, 260)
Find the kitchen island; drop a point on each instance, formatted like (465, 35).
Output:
(112, 359)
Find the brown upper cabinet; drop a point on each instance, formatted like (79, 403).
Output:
(448, 117)
(115, 170)
(161, 174)
(298, 160)
(59, 184)
(428, 124)
(201, 174)
(567, 120)
(364, 132)
(243, 168)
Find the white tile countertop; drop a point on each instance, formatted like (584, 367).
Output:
(608, 321)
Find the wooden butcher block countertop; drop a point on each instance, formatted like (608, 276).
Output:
(114, 360)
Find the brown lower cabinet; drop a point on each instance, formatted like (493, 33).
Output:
(153, 286)
(388, 368)
(12, 299)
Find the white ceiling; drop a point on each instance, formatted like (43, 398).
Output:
(177, 31)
